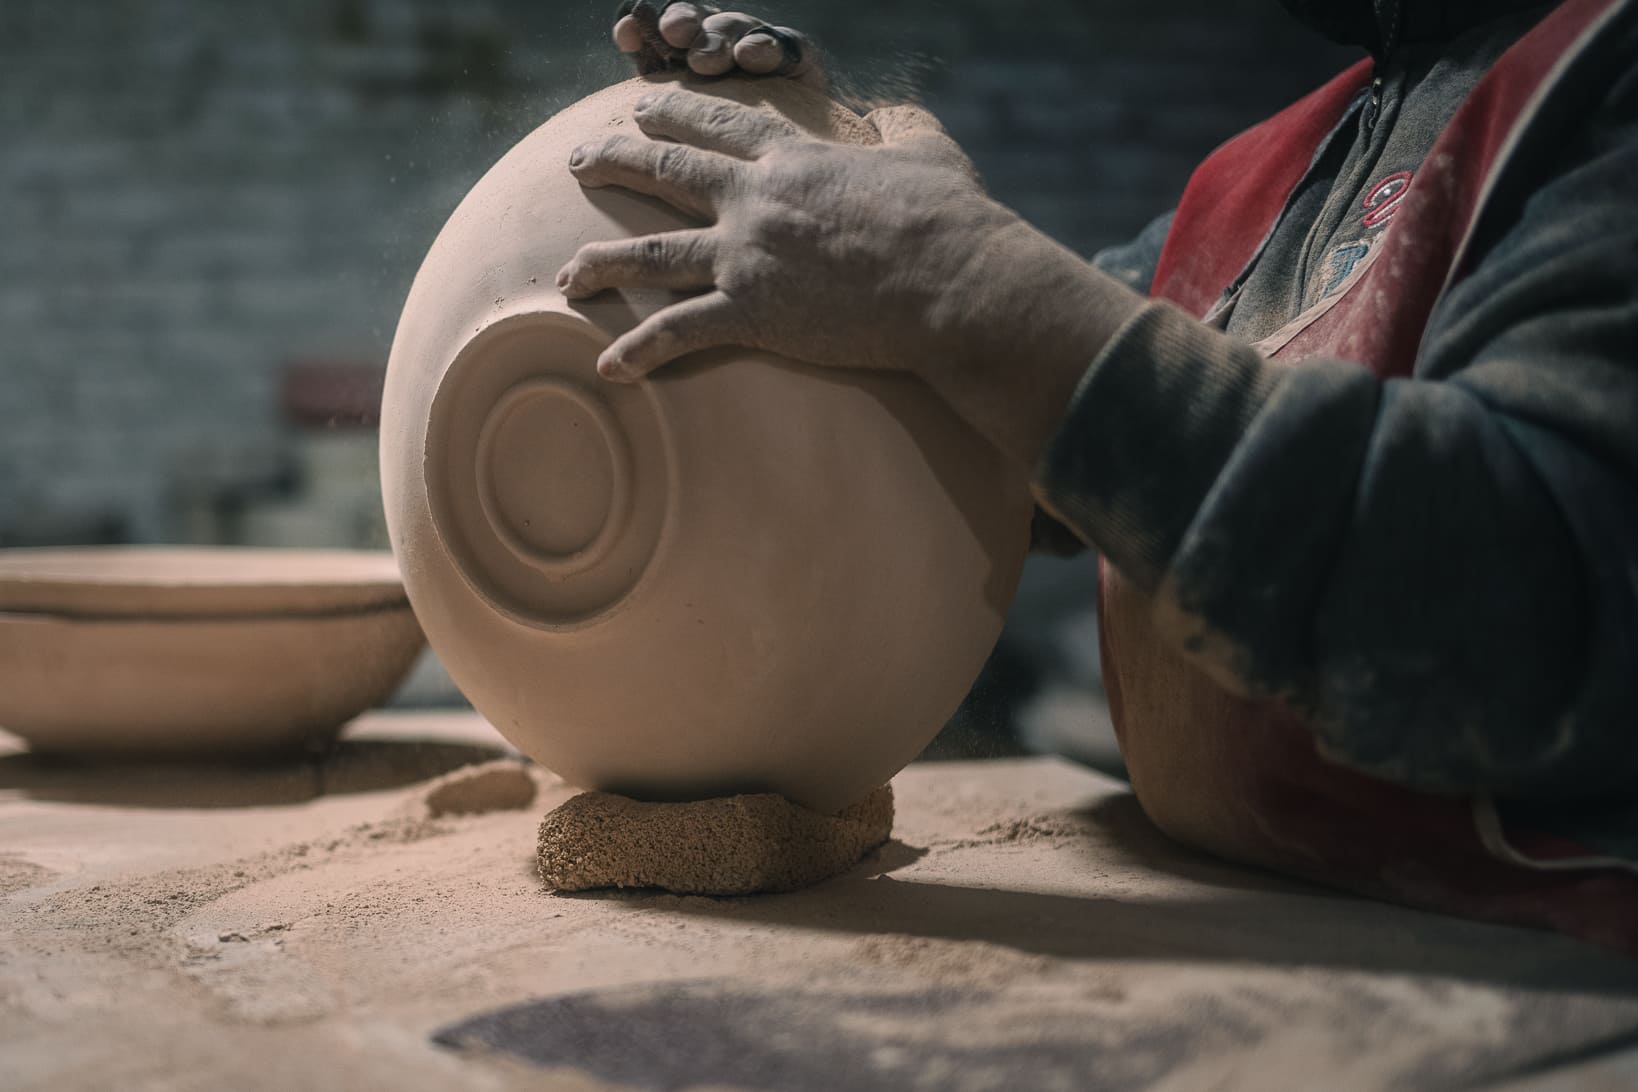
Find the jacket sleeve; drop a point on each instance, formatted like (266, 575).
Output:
(1441, 571)
(1133, 264)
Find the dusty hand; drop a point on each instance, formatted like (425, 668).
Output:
(670, 34)
(814, 245)
(888, 256)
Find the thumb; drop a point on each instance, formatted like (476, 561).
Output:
(912, 128)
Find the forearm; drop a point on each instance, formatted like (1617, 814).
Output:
(1148, 430)
(1381, 553)
(1016, 352)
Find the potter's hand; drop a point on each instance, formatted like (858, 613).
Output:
(672, 34)
(886, 256)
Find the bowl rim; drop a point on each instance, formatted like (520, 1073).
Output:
(158, 583)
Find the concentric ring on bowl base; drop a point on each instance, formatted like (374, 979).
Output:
(548, 486)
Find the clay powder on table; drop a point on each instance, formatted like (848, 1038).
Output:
(734, 845)
(501, 785)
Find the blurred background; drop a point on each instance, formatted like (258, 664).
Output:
(210, 214)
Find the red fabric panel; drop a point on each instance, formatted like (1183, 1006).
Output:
(1233, 198)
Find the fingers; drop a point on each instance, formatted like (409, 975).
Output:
(628, 35)
(712, 54)
(762, 54)
(911, 128)
(658, 33)
(703, 322)
(730, 26)
(666, 34)
(688, 179)
(678, 260)
(734, 28)
(733, 39)
(680, 24)
(637, 32)
(711, 123)
(779, 51)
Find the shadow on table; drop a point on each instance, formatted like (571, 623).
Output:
(1194, 909)
(349, 766)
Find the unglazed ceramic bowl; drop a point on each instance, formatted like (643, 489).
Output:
(741, 575)
(196, 652)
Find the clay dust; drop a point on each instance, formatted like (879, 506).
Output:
(501, 785)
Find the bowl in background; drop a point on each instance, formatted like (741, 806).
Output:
(180, 652)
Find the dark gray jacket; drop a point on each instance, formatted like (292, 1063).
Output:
(1443, 570)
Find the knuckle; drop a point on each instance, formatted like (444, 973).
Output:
(667, 334)
(793, 172)
(603, 152)
(651, 253)
(659, 103)
(668, 162)
(783, 228)
(718, 115)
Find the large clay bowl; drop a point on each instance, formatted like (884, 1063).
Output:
(188, 652)
(741, 575)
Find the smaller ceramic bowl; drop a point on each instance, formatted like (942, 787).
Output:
(160, 651)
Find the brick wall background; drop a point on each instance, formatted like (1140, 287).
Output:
(195, 195)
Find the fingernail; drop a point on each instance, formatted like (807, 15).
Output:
(628, 35)
(648, 100)
(578, 156)
(608, 368)
(563, 278)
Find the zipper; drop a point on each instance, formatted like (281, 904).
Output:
(1390, 41)
(1373, 105)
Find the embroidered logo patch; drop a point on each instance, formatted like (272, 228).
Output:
(1383, 201)
(1340, 263)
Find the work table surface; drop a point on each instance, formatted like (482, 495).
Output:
(305, 925)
